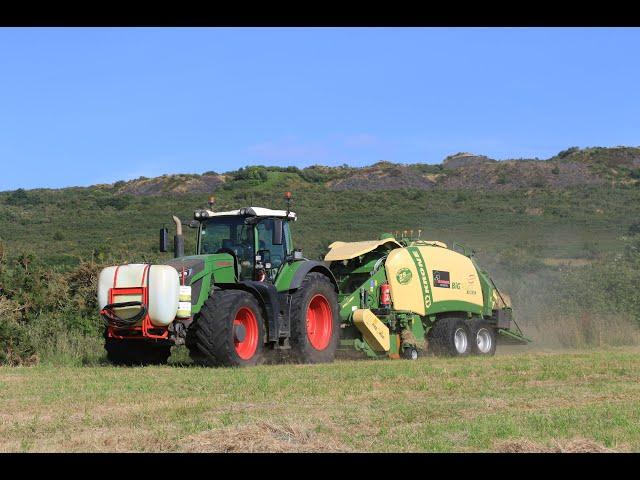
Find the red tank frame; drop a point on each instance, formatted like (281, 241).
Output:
(146, 329)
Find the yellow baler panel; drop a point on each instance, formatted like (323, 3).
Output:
(375, 333)
(408, 273)
(404, 280)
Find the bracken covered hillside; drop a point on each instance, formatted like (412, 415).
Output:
(571, 167)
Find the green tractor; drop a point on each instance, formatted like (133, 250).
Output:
(246, 292)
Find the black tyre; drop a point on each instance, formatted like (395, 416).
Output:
(483, 338)
(315, 321)
(136, 352)
(229, 331)
(409, 353)
(450, 336)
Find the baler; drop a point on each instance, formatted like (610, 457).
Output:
(401, 297)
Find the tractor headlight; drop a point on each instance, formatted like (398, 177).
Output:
(197, 214)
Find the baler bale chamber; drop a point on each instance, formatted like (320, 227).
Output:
(402, 298)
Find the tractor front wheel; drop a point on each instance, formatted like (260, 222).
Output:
(315, 322)
(229, 331)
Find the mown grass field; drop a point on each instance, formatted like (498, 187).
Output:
(522, 401)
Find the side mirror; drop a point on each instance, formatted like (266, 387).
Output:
(277, 231)
(164, 239)
(193, 224)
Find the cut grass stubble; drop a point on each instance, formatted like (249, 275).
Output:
(582, 401)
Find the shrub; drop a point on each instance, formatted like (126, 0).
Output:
(20, 197)
(634, 229)
(119, 202)
(16, 347)
(251, 173)
(568, 151)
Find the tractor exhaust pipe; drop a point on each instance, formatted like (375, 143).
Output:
(178, 239)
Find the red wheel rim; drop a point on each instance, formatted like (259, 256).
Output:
(247, 347)
(319, 322)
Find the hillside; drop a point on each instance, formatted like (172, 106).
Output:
(561, 235)
(575, 204)
(571, 167)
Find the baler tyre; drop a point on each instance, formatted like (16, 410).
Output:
(229, 331)
(315, 321)
(483, 338)
(135, 352)
(450, 336)
(409, 353)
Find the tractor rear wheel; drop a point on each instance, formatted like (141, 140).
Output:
(483, 338)
(450, 336)
(315, 322)
(135, 352)
(229, 331)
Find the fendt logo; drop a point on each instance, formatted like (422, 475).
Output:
(422, 273)
(404, 276)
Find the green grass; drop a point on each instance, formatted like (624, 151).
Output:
(541, 401)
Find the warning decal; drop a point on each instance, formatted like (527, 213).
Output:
(441, 279)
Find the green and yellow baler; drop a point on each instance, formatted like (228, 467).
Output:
(400, 297)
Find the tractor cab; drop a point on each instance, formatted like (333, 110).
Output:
(259, 239)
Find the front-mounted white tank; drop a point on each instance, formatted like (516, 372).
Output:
(164, 290)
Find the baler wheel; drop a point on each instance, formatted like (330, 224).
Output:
(450, 336)
(135, 352)
(410, 353)
(229, 331)
(315, 322)
(483, 338)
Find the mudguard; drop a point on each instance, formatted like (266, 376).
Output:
(267, 296)
(311, 266)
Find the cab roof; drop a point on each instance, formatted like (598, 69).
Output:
(253, 212)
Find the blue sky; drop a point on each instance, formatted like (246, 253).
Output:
(94, 105)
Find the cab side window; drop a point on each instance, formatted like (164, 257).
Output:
(265, 239)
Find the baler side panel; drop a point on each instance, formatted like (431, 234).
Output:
(410, 290)
(428, 279)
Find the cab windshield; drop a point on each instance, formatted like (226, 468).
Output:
(228, 233)
(232, 234)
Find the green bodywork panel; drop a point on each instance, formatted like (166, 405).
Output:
(217, 267)
(455, 306)
(371, 286)
(285, 275)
